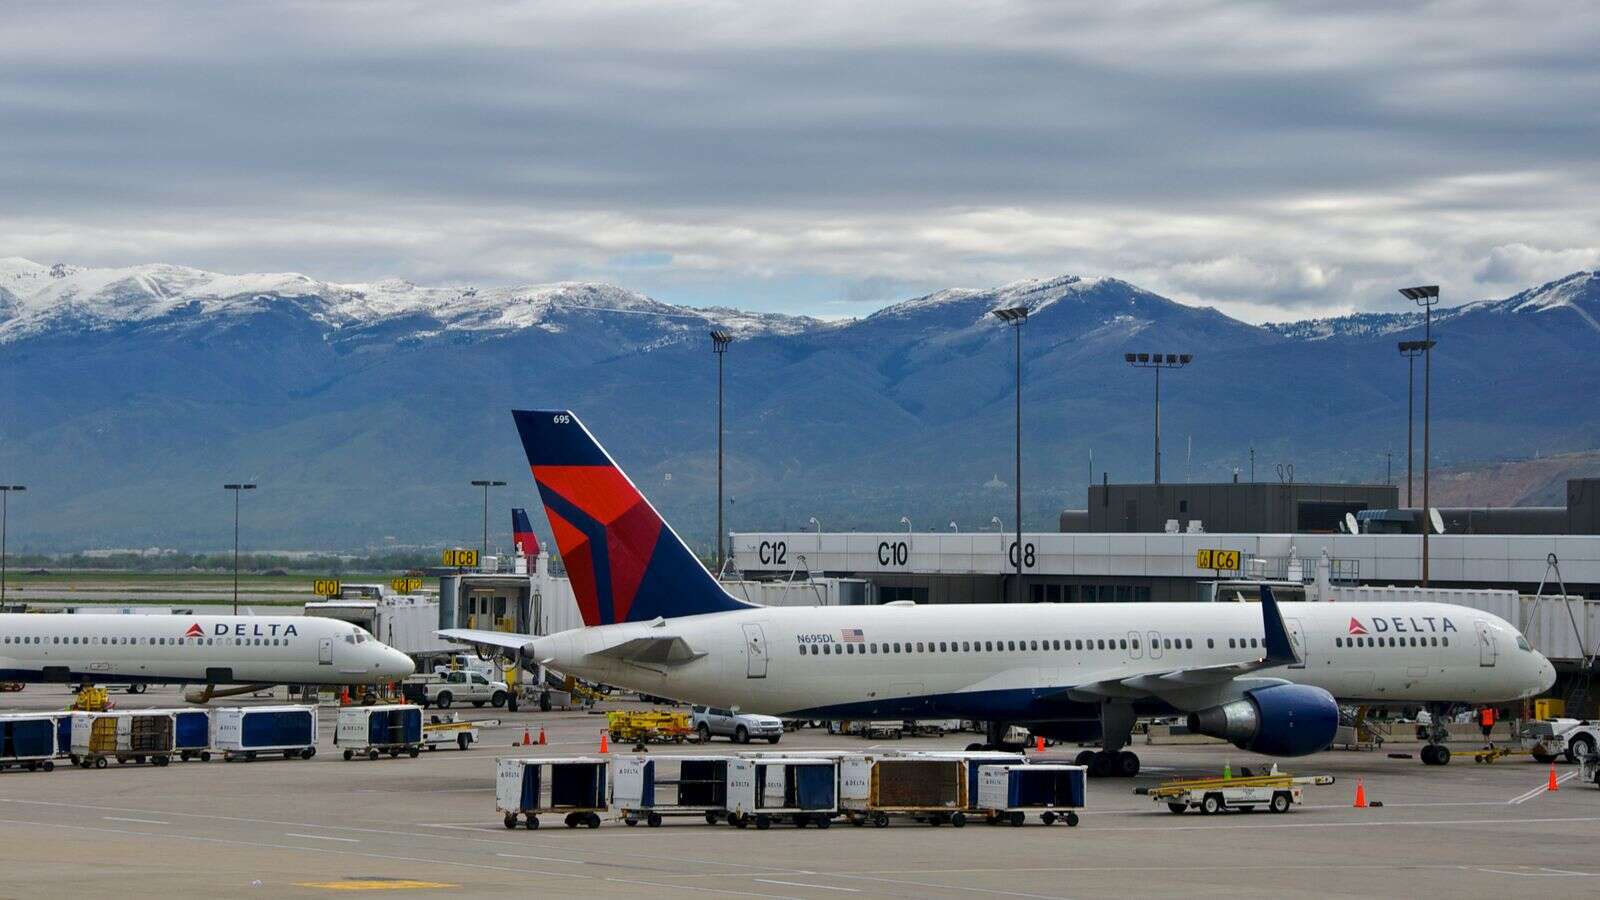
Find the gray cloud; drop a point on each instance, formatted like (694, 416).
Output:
(1273, 160)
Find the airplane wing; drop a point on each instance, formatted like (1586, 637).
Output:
(501, 639)
(1280, 651)
(658, 650)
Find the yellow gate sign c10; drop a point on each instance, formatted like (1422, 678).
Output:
(461, 559)
(1219, 560)
(406, 585)
(326, 587)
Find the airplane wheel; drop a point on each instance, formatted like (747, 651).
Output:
(1126, 764)
(1084, 758)
(1441, 756)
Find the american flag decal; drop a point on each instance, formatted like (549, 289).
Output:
(852, 635)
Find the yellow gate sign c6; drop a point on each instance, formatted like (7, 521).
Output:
(1220, 560)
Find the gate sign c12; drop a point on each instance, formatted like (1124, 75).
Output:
(326, 587)
(406, 585)
(1220, 560)
(461, 559)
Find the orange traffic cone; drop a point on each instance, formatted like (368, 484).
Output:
(1361, 795)
(1038, 744)
(605, 742)
(344, 697)
(541, 735)
(527, 738)
(1552, 785)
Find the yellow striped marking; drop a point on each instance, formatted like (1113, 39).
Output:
(385, 884)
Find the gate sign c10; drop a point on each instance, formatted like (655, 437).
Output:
(326, 587)
(461, 559)
(406, 585)
(1220, 560)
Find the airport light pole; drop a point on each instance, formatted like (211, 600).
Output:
(485, 483)
(1158, 361)
(1411, 350)
(1016, 317)
(719, 345)
(237, 488)
(906, 521)
(5, 493)
(1425, 296)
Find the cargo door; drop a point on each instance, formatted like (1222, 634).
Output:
(325, 651)
(1297, 636)
(755, 649)
(1487, 651)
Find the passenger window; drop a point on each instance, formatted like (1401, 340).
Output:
(1080, 643)
(1135, 643)
(1445, 640)
(919, 646)
(814, 650)
(1188, 643)
(1123, 643)
(1211, 644)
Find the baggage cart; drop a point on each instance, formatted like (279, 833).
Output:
(574, 786)
(129, 736)
(930, 789)
(651, 787)
(244, 732)
(1008, 793)
(766, 789)
(191, 732)
(27, 741)
(971, 760)
(374, 730)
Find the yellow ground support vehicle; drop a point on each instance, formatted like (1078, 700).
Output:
(1278, 792)
(90, 699)
(648, 726)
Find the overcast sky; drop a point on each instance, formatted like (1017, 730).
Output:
(1274, 160)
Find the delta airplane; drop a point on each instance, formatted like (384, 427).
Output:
(1267, 677)
(209, 650)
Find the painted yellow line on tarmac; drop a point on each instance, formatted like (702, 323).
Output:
(376, 884)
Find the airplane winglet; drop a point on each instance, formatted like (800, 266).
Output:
(1280, 648)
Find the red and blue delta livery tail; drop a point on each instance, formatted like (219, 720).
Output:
(625, 562)
(522, 536)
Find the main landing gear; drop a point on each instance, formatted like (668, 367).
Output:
(1109, 763)
(1434, 752)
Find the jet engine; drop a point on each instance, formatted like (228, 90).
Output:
(1278, 720)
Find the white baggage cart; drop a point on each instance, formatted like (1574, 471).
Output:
(766, 789)
(650, 787)
(373, 730)
(128, 736)
(574, 786)
(925, 788)
(1008, 793)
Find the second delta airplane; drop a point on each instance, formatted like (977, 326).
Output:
(1267, 677)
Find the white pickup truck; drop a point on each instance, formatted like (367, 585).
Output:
(451, 688)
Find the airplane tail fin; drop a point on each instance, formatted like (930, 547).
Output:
(625, 562)
(522, 533)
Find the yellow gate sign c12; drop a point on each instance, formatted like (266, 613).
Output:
(326, 587)
(461, 559)
(406, 585)
(1219, 560)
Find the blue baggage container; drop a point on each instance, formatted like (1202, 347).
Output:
(27, 741)
(279, 728)
(194, 729)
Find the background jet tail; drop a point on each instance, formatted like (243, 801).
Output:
(522, 533)
(625, 562)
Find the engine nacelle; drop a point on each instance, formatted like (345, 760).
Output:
(1280, 720)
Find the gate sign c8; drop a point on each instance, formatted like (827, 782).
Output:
(326, 587)
(461, 559)
(1220, 560)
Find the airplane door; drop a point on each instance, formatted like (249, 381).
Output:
(1155, 644)
(755, 648)
(1486, 647)
(325, 651)
(1298, 636)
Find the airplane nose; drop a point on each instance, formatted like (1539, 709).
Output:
(399, 665)
(1547, 675)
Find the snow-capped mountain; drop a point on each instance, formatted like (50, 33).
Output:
(38, 298)
(127, 395)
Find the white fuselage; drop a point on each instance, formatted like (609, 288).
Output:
(1022, 658)
(193, 649)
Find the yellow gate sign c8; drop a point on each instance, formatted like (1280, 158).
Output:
(463, 559)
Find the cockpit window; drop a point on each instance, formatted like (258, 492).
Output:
(1522, 643)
